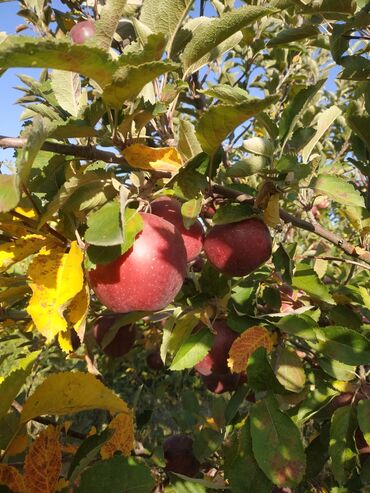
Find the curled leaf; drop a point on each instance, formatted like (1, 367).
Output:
(150, 158)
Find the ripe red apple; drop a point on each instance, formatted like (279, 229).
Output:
(170, 209)
(154, 361)
(149, 275)
(179, 457)
(123, 340)
(237, 249)
(82, 31)
(216, 360)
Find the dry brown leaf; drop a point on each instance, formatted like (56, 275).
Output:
(271, 215)
(122, 439)
(12, 478)
(43, 462)
(245, 345)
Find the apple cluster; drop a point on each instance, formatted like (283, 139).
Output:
(150, 274)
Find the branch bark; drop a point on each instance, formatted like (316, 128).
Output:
(90, 153)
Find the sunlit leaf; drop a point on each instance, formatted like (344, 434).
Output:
(153, 158)
(122, 439)
(245, 345)
(68, 393)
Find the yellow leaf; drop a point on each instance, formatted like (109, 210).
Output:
(271, 215)
(12, 478)
(150, 158)
(56, 279)
(77, 311)
(344, 386)
(68, 393)
(122, 439)
(17, 250)
(61, 485)
(26, 212)
(13, 226)
(264, 194)
(64, 341)
(245, 345)
(365, 296)
(43, 462)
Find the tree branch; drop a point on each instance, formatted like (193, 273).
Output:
(89, 153)
(288, 218)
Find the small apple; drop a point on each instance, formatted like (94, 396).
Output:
(215, 362)
(237, 249)
(82, 31)
(122, 341)
(179, 456)
(149, 275)
(154, 361)
(170, 209)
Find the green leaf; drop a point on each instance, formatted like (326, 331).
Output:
(165, 16)
(36, 135)
(290, 370)
(363, 416)
(232, 213)
(12, 384)
(298, 325)
(341, 446)
(106, 26)
(360, 124)
(239, 459)
(356, 67)
(74, 184)
(133, 224)
(188, 145)
(181, 331)
(334, 9)
(345, 345)
(306, 279)
(219, 121)
(190, 211)
(260, 373)
(296, 108)
(339, 190)
(116, 475)
(295, 34)
(194, 349)
(104, 226)
(324, 121)
(248, 166)
(178, 486)
(283, 460)
(87, 452)
(215, 53)
(226, 93)
(128, 81)
(338, 370)
(9, 426)
(208, 36)
(9, 192)
(67, 90)
(206, 442)
(22, 51)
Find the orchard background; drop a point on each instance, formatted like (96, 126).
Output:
(235, 364)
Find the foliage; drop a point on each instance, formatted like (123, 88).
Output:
(237, 109)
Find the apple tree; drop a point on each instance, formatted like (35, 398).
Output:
(184, 261)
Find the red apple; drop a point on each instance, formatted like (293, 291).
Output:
(237, 249)
(216, 360)
(170, 209)
(218, 383)
(122, 341)
(82, 31)
(179, 457)
(149, 275)
(154, 361)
